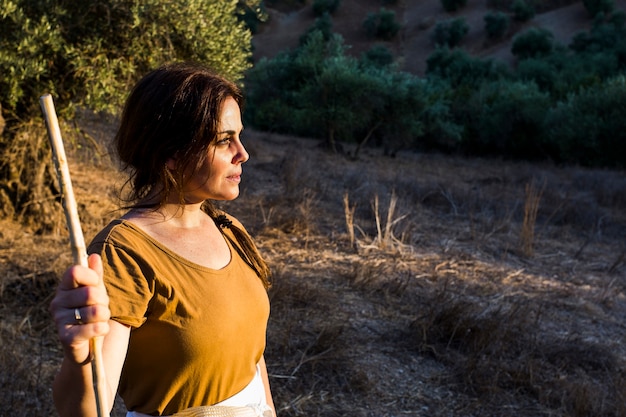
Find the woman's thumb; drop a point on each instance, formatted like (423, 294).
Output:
(95, 263)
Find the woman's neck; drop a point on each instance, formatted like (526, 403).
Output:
(188, 216)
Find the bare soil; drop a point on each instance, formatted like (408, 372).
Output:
(442, 314)
(442, 303)
(418, 18)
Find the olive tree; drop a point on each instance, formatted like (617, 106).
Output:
(87, 54)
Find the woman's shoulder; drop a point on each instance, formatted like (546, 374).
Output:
(118, 232)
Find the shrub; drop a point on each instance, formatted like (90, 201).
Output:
(382, 25)
(283, 92)
(449, 33)
(506, 118)
(88, 53)
(588, 128)
(532, 43)
(496, 24)
(604, 36)
(323, 25)
(378, 56)
(453, 5)
(459, 68)
(540, 71)
(321, 7)
(522, 10)
(595, 7)
(400, 120)
(312, 92)
(252, 13)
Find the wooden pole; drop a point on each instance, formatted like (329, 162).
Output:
(77, 241)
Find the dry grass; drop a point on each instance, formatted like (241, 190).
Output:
(439, 312)
(531, 207)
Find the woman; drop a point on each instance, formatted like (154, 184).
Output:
(177, 288)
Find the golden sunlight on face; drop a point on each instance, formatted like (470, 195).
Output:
(220, 175)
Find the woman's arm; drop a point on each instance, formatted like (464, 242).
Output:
(266, 383)
(82, 288)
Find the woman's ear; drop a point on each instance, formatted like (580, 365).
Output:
(170, 164)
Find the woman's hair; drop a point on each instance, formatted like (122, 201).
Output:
(174, 112)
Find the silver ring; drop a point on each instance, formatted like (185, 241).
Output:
(77, 316)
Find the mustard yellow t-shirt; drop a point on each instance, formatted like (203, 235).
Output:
(197, 333)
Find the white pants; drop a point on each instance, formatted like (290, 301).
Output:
(253, 395)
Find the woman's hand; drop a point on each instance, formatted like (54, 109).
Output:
(80, 309)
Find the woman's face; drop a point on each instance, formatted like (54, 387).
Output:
(219, 177)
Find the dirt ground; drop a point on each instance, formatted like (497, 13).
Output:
(443, 313)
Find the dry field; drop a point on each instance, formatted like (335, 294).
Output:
(421, 285)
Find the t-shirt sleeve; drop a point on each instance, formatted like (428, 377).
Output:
(128, 287)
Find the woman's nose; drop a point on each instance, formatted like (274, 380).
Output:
(241, 155)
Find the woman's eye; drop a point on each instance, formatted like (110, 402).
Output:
(225, 141)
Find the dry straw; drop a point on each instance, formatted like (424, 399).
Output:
(531, 207)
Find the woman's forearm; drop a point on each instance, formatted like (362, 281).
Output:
(73, 391)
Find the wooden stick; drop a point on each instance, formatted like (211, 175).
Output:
(77, 241)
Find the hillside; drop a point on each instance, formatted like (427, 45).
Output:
(413, 45)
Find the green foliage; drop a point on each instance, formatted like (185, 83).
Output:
(337, 88)
(422, 108)
(323, 25)
(399, 118)
(450, 33)
(453, 5)
(26, 40)
(543, 72)
(382, 25)
(312, 91)
(588, 128)
(535, 42)
(378, 56)
(88, 53)
(496, 24)
(276, 88)
(252, 12)
(569, 70)
(464, 103)
(595, 7)
(506, 118)
(522, 10)
(458, 68)
(325, 6)
(604, 36)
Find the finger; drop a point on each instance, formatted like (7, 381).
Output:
(95, 264)
(81, 288)
(78, 276)
(67, 299)
(75, 339)
(86, 314)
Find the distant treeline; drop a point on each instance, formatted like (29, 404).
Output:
(565, 104)
(559, 103)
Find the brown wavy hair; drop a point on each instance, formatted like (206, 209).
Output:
(174, 111)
